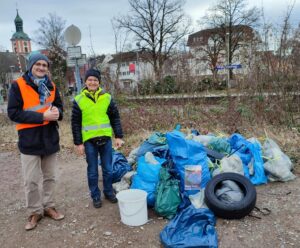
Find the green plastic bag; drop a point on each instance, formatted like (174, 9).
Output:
(167, 195)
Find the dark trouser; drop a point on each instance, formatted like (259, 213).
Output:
(92, 151)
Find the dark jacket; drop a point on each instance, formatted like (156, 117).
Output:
(112, 113)
(41, 140)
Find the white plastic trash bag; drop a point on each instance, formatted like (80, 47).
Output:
(198, 199)
(232, 163)
(279, 165)
(203, 139)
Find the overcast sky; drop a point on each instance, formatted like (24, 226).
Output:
(96, 15)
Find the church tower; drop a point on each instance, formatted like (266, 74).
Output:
(20, 41)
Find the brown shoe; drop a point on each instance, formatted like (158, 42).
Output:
(53, 214)
(32, 221)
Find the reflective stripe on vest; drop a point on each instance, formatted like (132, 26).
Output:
(31, 102)
(88, 128)
(38, 107)
(95, 121)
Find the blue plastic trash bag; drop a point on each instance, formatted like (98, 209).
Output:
(185, 202)
(188, 156)
(155, 141)
(139, 183)
(191, 228)
(147, 178)
(246, 153)
(149, 172)
(120, 166)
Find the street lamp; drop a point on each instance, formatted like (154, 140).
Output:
(228, 60)
(137, 62)
(227, 22)
(137, 66)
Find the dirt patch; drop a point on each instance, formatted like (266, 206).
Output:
(85, 226)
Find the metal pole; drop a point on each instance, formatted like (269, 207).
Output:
(137, 66)
(227, 10)
(77, 77)
(228, 69)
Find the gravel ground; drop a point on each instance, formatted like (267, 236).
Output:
(85, 226)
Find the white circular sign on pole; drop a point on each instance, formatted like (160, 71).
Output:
(72, 35)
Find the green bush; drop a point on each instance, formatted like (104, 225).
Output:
(146, 87)
(167, 86)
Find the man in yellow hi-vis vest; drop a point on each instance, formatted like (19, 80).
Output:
(95, 117)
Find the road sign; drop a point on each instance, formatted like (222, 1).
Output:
(219, 67)
(74, 52)
(72, 35)
(82, 60)
(234, 66)
(71, 62)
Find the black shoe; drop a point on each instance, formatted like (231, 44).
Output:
(111, 198)
(97, 203)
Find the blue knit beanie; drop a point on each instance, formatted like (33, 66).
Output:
(94, 73)
(34, 57)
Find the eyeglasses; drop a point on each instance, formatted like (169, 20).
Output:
(41, 64)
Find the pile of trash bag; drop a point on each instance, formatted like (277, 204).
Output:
(174, 169)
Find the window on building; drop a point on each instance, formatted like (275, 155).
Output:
(26, 49)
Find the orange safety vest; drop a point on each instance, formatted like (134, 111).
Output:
(32, 102)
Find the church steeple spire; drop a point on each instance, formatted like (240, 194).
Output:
(18, 23)
(20, 41)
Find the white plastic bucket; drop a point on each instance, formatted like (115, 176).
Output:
(133, 207)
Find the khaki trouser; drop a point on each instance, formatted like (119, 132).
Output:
(37, 169)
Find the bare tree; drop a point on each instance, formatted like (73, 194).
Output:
(285, 39)
(120, 44)
(50, 33)
(210, 50)
(49, 36)
(158, 25)
(266, 56)
(235, 23)
(296, 51)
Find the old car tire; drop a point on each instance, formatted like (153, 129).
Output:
(235, 210)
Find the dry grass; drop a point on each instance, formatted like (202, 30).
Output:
(139, 121)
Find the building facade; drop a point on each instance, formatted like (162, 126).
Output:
(126, 70)
(209, 50)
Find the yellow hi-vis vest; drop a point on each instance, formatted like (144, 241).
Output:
(95, 121)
